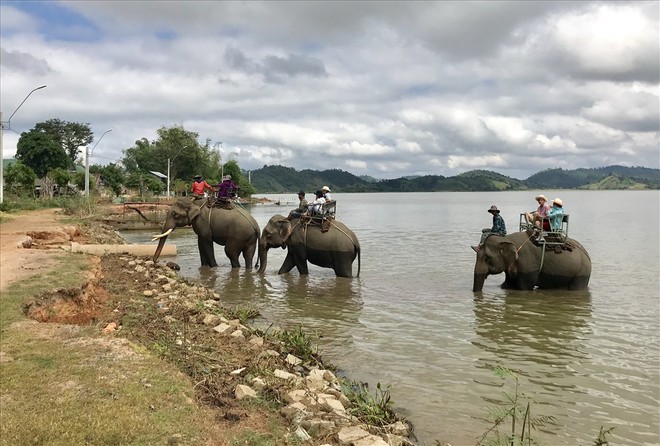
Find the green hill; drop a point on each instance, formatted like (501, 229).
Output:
(281, 179)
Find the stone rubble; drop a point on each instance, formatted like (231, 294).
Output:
(318, 411)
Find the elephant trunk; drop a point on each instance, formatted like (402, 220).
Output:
(480, 274)
(262, 255)
(478, 283)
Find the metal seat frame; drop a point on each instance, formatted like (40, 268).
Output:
(556, 237)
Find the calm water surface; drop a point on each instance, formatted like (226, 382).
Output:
(589, 359)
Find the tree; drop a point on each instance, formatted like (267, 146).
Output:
(20, 179)
(37, 150)
(79, 180)
(180, 187)
(144, 182)
(245, 189)
(61, 178)
(186, 155)
(113, 177)
(69, 135)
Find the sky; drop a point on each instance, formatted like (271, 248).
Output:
(386, 89)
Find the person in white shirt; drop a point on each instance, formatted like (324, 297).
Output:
(315, 206)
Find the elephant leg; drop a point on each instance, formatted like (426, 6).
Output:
(206, 253)
(233, 250)
(343, 266)
(248, 255)
(288, 264)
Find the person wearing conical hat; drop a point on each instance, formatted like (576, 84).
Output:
(498, 228)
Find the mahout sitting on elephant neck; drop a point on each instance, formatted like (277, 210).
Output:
(235, 229)
(306, 240)
(527, 266)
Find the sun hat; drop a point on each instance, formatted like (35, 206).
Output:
(540, 197)
(325, 189)
(197, 176)
(493, 209)
(558, 202)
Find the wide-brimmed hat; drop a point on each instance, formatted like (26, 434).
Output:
(540, 197)
(493, 209)
(325, 189)
(197, 176)
(558, 202)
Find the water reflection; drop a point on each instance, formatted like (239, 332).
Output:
(540, 335)
(543, 327)
(327, 306)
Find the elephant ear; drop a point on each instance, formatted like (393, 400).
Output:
(285, 229)
(510, 256)
(193, 211)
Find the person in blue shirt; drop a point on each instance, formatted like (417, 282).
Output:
(556, 214)
(498, 228)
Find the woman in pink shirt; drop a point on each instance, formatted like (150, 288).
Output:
(540, 213)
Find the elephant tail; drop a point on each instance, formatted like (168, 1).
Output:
(358, 253)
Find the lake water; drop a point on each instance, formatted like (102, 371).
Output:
(588, 359)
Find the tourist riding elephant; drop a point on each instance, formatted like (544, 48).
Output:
(335, 248)
(234, 228)
(526, 265)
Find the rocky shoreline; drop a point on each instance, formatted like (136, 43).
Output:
(232, 362)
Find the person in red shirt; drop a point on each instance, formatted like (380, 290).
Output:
(199, 186)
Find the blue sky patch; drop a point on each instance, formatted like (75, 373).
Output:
(57, 22)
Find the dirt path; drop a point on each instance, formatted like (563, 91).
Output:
(17, 262)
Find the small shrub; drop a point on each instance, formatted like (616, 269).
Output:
(297, 343)
(376, 410)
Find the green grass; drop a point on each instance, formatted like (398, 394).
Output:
(66, 385)
(68, 273)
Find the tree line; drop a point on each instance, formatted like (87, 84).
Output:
(51, 152)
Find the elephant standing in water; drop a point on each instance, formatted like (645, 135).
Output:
(234, 228)
(336, 248)
(527, 266)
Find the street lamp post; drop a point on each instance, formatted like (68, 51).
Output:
(8, 127)
(88, 153)
(169, 162)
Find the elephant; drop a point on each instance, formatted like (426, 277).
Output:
(526, 265)
(335, 248)
(234, 228)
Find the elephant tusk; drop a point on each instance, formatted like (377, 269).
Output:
(164, 234)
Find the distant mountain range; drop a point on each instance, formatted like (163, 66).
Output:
(281, 179)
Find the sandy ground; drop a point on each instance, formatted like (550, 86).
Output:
(16, 262)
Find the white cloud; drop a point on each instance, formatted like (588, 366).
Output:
(388, 89)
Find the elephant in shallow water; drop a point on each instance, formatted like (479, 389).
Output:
(234, 228)
(526, 265)
(306, 241)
